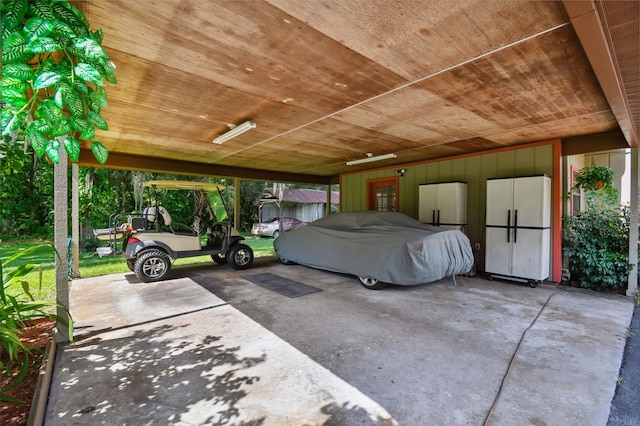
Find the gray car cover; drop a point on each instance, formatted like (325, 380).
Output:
(390, 247)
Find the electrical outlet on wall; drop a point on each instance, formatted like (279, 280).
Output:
(477, 246)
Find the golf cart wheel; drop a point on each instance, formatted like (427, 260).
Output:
(131, 264)
(275, 234)
(240, 256)
(152, 265)
(286, 261)
(371, 283)
(220, 259)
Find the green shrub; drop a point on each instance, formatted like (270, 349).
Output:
(596, 241)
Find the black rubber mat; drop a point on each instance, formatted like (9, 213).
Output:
(281, 285)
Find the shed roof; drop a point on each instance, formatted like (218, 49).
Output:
(302, 196)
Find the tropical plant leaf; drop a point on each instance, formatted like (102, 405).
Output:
(12, 119)
(38, 140)
(46, 79)
(88, 134)
(43, 45)
(37, 27)
(72, 145)
(14, 83)
(63, 128)
(14, 49)
(42, 8)
(109, 67)
(12, 92)
(99, 97)
(92, 105)
(97, 120)
(49, 111)
(98, 36)
(81, 87)
(53, 150)
(13, 96)
(73, 100)
(40, 125)
(100, 152)
(19, 71)
(79, 124)
(88, 73)
(69, 14)
(111, 78)
(61, 29)
(58, 98)
(90, 50)
(12, 13)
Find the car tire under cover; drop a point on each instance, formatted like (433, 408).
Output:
(286, 261)
(240, 256)
(152, 265)
(220, 259)
(371, 283)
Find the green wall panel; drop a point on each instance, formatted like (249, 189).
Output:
(474, 170)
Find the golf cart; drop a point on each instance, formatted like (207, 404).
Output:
(152, 239)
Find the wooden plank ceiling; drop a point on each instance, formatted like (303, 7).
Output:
(329, 81)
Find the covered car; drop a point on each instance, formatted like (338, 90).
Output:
(378, 247)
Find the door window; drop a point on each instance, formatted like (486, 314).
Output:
(383, 194)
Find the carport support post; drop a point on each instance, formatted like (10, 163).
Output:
(327, 207)
(632, 285)
(75, 220)
(236, 204)
(61, 233)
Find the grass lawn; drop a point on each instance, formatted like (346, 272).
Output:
(90, 265)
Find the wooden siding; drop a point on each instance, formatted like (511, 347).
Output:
(474, 170)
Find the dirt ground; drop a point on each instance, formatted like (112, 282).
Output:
(36, 336)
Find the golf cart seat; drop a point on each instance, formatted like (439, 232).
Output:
(150, 214)
(165, 219)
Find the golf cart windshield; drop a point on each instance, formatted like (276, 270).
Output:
(213, 192)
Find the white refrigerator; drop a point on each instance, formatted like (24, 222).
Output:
(518, 229)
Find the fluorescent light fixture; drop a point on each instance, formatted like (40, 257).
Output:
(370, 158)
(235, 131)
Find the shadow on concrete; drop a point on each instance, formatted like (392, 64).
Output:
(132, 380)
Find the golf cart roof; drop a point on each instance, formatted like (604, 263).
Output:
(184, 184)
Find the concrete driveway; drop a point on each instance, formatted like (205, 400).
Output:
(210, 347)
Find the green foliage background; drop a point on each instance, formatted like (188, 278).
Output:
(596, 239)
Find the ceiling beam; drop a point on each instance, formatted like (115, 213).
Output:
(594, 143)
(593, 35)
(163, 165)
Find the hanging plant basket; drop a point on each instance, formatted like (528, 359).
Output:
(594, 177)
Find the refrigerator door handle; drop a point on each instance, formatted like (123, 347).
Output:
(515, 227)
(508, 224)
(438, 217)
(433, 217)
